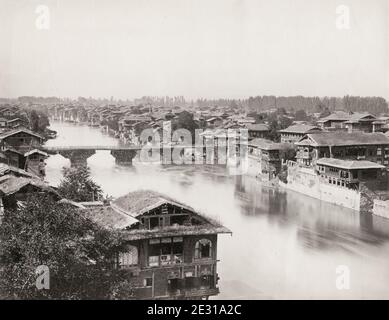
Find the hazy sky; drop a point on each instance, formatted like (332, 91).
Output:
(197, 48)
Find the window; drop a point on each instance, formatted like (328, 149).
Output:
(129, 257)
(154, 252)
(148, 282)
(203, 249)
(165, 251)
(154, 222)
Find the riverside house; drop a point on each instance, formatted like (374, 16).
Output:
(17, 148)
(171, 250)
(372, 147)
(265, 157)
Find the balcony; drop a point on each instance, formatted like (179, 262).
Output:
(303, 155)
(165, 260)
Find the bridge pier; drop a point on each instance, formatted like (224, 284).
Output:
(123, 157)
(77, 157)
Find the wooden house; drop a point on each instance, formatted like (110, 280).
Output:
(372, 147)
(294, 133)
(171, 250)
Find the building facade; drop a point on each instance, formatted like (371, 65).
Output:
(372, 147)
(171, 250)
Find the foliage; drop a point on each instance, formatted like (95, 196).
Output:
(78, 253)
(185, 121)
(38, 121)
(301, 115)
(277, 122)
(78, 186)
(374, 105)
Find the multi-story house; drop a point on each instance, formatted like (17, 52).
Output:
(294, 133)
(372, 147)
(334, 120)
(171, 250)
(265, 157)
(258, 130)
(349, 122)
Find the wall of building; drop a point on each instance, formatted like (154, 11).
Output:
(161, 274)
(381, 208)
(306, 181)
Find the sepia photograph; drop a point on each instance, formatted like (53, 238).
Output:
(219, 150)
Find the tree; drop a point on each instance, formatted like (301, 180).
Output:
(78, 186)
(301, 115)
(78, 253)
(185, 121)
(325, 113)
(38, 121)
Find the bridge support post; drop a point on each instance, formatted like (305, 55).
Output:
(123, 157)
(77, 157)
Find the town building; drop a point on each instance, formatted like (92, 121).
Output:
(258, 130)
(350, 173)
(349, 122)
(334, 120)
(16, 185)
(265, 158)
(171, 249)
(294, 133)
(360, 122)
(342, 145)
(21, 149)
(352, 184)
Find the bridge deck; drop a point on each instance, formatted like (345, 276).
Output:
(66, 148)
(130, 147)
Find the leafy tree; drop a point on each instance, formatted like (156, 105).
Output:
(186, 121)
(284, 122)
(79, 254)
(38, 121)
(301, 115)
(325, 113)
(78, 186)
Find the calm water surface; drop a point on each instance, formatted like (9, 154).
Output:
(284, 245)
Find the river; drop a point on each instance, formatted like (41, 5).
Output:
(284, 245)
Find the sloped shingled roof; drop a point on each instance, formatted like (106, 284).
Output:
(268, 144)
(108, 216)
(336, 116)
(349, 164)
(344, 139)
(258, 127)
(124, 211)
(300, 128)
(10, 184)
(138, 202)
(16, 131)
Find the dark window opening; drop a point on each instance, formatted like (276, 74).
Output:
(154, 223)
(154, 250)
(178, 248)
(203, 249)
(148, 282)
(177, 220)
